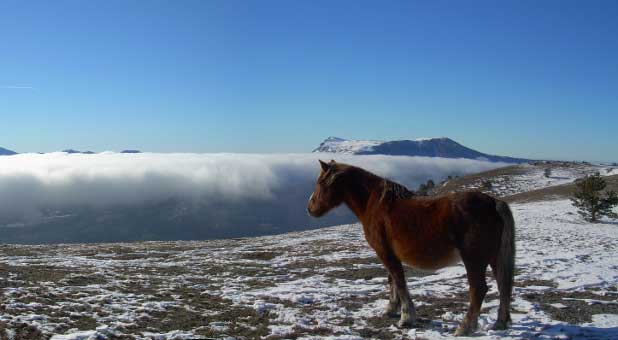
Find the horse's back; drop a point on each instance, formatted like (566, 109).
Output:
(479, 226)
(476, 216)
(430, 233)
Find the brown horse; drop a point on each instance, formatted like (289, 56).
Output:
(426, 233)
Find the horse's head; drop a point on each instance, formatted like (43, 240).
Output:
(328, 192)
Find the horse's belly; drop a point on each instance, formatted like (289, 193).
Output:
(430, 259)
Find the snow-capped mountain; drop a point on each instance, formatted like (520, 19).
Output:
(7, 152)
(429, 147)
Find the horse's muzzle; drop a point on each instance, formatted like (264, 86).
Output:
(315, 213)
(309, 203)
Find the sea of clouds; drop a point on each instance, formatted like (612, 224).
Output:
(32, 183)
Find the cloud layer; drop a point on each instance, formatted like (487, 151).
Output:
(32, 183)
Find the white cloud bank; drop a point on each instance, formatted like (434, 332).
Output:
(34, 181)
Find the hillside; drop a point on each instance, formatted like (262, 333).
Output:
(557, 192)
(309, 285)
(428, 147)
(522, 178)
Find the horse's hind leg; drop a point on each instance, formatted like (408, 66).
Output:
(478, 289)
(504, 314)
(395, 270)
(392, 309)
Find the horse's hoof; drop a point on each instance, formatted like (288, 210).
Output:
(392, 311)
(462, 331)
(406, 321)
(391, 314)
(500, 326)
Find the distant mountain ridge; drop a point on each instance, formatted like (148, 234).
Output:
(428, 147)
(7, 152)
(92, 152)
(77, 151)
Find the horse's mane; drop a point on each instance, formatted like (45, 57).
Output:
(393, 192)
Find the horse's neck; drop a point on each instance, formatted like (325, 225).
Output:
(360, 192)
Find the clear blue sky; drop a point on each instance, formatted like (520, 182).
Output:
(521, 78)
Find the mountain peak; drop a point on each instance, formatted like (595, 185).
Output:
(427, 147)
(427, 139)
(334, 139)
(347, 146)
(7, 152)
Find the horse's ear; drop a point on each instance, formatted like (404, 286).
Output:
(332, 161)
(325, 166)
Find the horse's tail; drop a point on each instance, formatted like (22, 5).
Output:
(505, 263)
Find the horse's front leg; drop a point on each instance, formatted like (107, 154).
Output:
(395, 270)
(392, 309)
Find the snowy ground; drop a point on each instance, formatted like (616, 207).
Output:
(309, 285)
(529, 177)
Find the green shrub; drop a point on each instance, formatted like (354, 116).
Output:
(547, 172)
(590, 201)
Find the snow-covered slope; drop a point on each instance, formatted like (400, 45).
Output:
(523, 178)
(430, 147)
(322, 284)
